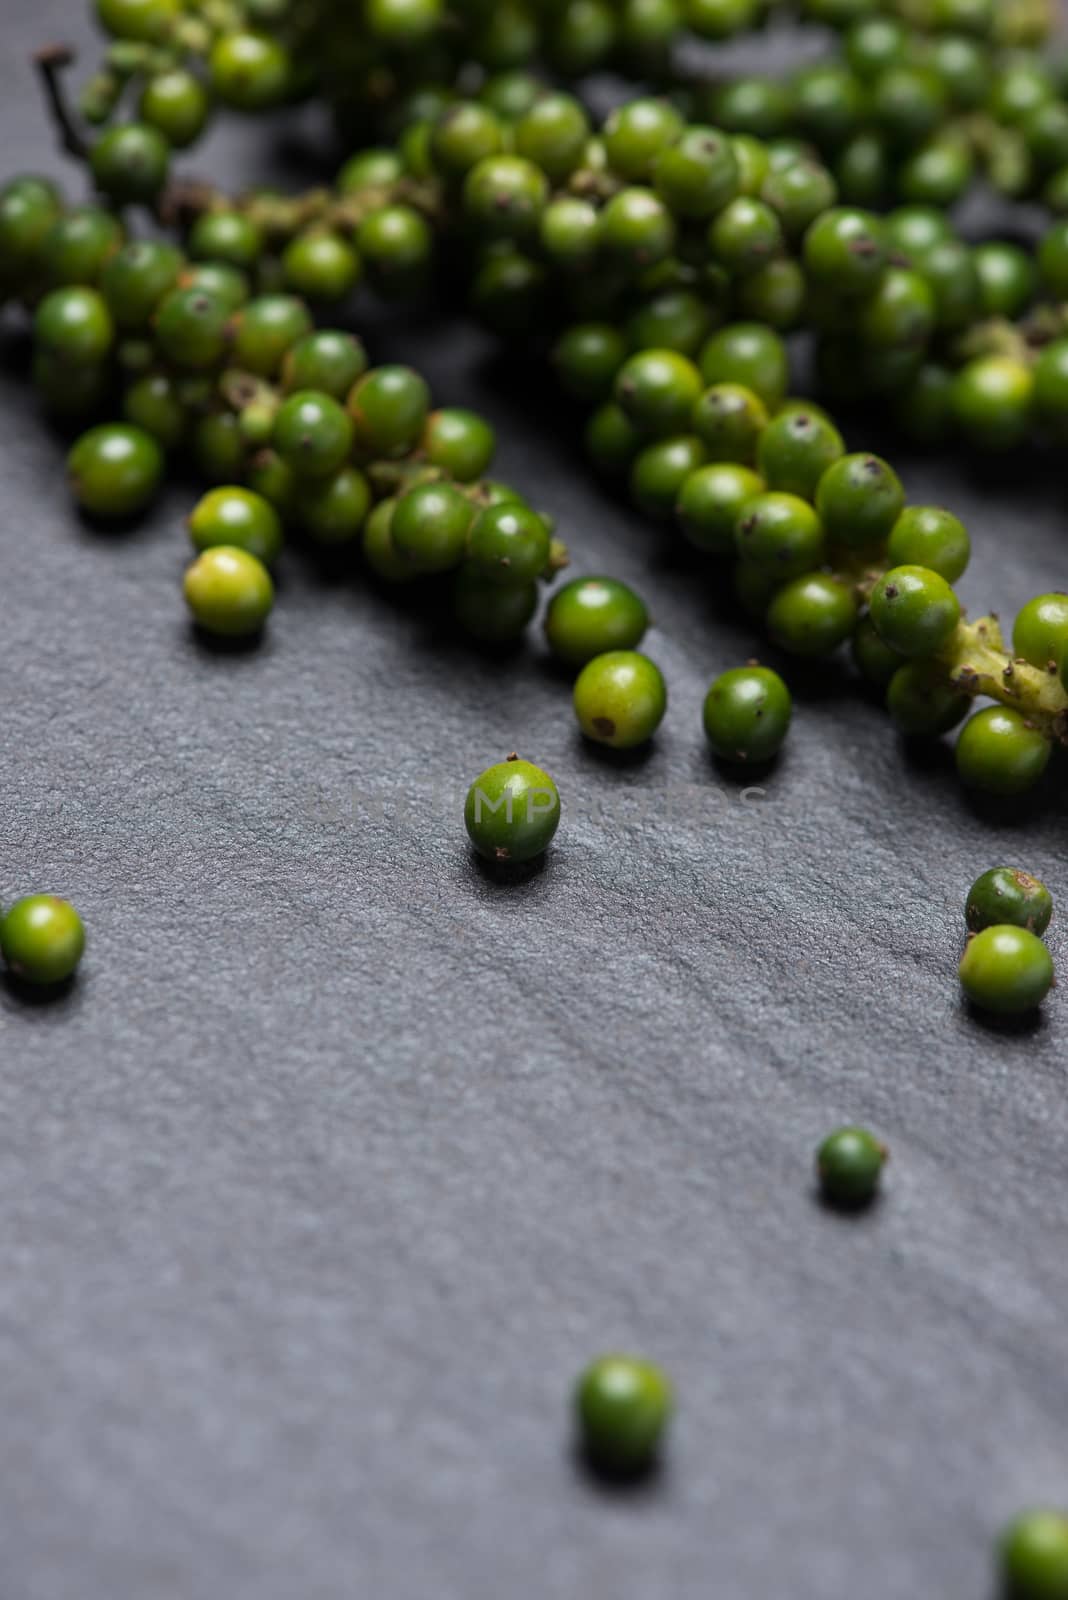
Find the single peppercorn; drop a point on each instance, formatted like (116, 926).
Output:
(698, 174)
(229, 592)
(78, 244)
(999, 752)
(265, 329)
(591, 616)
(620, 699)
(135, 279)
(927, 536)
(192, 327)
(176, 104)
(1040, 632)
(320, 266)
(660, 472)
(635, 134)
(1034, 1557)
(389, 407)
(332, 511)
(796, 449)
(42, 939)
(623, 1405)
(612, 441)
(729, 421)
(430, 526)
(923, 702)
(249, 71)
(1005, 895)
(992, 401)
(74, 327)
(844, 252)
(312, 433)
(859, 499)
(129, 163)
(874, 659)
(512, 812)
(657, 390)
(114, 470)
(236, 516)
(747, 714)
(508, 544)
(751, 355)
(915, 610)
(812, 615)
(460, 442)
(227, 236)
(711, 501)
(779, 534)
(1006, 970)
(849, 1166)
(587, 357)
(328, 361)
(492, 614)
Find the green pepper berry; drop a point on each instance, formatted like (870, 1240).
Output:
(620, 699)
(135, 279)
(492, 614)
(320, 266)
(1006, 970)
(265, 329)
(145, 21)
(312, 433)
(729, 420)
(845, 252)
(430, 526)
(912, 231)
(636, 230)
(249, 71)
(612, 441)
(799, 194)
(657, 390)
(590, 617)
(751, 355)
(42, 939)
(1034, 1557)
(569, 234)
(999, 752)
(623, 1406)
(508, 543)
(659, 473)
(587, 357)
(460, 442)
(1007, 279)
(992, 401)
(327, 361)
(922, 701)
(78, 244)
(237, 517)
(553, 135)
(403, 23)
(674, 319)
(939, 173)
(697, 175)
(397, 246)
(1051, 387)
(759, 107)
(915, 610)
(154, 404)
(747, 714)
(227, 236)
(859, 500)
(900, 313)
(1040, 632)
(130, 163)
(710, 503)
(378, 548)
(464, 134)
(332, 511)
(927, 536)
(176, 104)
(74, 326)
(636, 133)
(219, 447)
(849, 1166)
(1005, 896)
(228, 285)
(28, 209)
(512, 812)
(873, 658)
(812, 615)
(389, 407)
(796, 449)
(192, 328)
(114, 470)
(745, 236)
(504, 196)
(229, 592)
(781, 535)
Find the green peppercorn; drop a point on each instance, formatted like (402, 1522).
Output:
(1040, 632)
(1007, 279)
(218, 447)
(228, 285)
(901, 313)
(512, 812)
(249, 71)
(812, 615)
(1034, 1557)
(176, 104)
(799, 194)
(508, 543)
(992, 401)
(146, 21)
(397, 245)
(923, 702)
(674, 319)
(751, 355)
(135, 279)
(592, 616)
(1006, 896)
(915, 610)
(265, 329)
(227, 236)
(430, 527)
(492, 614)
(859, 500)
(745, 236)
(796, 449)
(153, 403)
(697, 175)
(553, 135)
(312, 434)
(389, 408)
(849, 1166)
(636, 230)
(192, 328)
(845, 252)
(327, 361)
(927, 536)
(319, 265)
(636, 133)
(587, 357)
(779, 534)
(873, 658)
(228, 592)
(378, 549)
(460, 442)
(747, 714)
(74, 326)
(657, 390)
(78, 244)
(729, 420)
(1006, 970)
(710, 503)
(28, 209)
(999, 752)
(114, 470)
(504, 196)
(463, 135)
(620, 699)
(130, 163)
(239, 518)
(1051, 387)
(623, 1406)
(660, 471)
(611, 439)
(42, 939)
(332, 511)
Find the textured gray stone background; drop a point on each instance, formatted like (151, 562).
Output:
(341, 1159)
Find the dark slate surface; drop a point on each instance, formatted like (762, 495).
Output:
(341, 1159)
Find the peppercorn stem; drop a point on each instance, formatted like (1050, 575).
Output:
(979, 664)
(51, 62)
